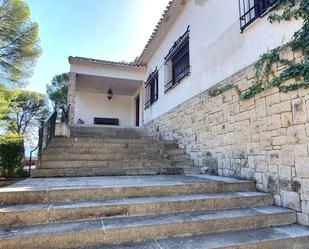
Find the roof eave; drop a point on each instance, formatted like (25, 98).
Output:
(165, 23)
(88, 61)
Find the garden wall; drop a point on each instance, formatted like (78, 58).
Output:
(264, 138)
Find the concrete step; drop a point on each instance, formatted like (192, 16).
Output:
(46, 190)
(125, 164)
(64, 211)
(109, 131)
(125, 229)
(102, 150)
(282, 237)
(137, 156)
(113, 171)
(114, 136)
(112, 145)
(111, 140)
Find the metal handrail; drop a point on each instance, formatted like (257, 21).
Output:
(65, 114)
(47, 132)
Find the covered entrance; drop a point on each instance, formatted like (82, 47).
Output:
(105, 93)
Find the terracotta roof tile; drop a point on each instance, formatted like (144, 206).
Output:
(103, 62)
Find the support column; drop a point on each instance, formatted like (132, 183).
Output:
(71, 96)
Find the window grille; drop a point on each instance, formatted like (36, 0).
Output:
(151, 89)
(250, 10)
(179, 57)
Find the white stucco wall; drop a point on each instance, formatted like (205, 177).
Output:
(89, 105)
(217, 48)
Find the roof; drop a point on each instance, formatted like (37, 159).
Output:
(167, 14)
(103, 62)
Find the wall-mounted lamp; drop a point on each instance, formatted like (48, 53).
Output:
(109, 94)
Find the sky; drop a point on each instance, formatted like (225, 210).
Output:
(114, 30)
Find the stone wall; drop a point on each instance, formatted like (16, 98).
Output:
(71, 96)
(264, 138)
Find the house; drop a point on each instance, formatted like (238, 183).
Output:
(195, 45)
(148, 132)
(198, 46)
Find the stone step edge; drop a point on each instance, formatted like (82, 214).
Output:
(163, 160)
(111, 140)
(117, 230)
(288, 236)
(80, 172)
(26, 196)
(61, 211)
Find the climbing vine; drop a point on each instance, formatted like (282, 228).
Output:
(266, 77)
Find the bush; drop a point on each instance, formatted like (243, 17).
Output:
(11, 155)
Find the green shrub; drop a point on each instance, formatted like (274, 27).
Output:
(11, 155)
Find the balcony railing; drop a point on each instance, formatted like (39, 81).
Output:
(250, 10)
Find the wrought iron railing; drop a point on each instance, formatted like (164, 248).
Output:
(250, 10)
(65, 114)
(47, 132)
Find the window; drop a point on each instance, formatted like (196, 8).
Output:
(151, 89)
(250, 10)
(178, 61)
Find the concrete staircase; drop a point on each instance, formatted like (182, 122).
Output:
(99, 151)
(192, 211)
(164, 205)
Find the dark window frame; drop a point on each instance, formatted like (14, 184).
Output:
(251, 10)
(179, 56)
(152, 89)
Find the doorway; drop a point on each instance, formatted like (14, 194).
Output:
(137, 100)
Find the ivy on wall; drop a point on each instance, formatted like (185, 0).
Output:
(298, 72)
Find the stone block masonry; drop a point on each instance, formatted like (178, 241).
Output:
(264, 138)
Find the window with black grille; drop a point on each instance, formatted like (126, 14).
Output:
(151, 89)
(250, 10)
(178, 61)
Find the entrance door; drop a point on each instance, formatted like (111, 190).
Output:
(137, 111)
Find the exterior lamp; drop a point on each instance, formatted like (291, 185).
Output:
(109, 94)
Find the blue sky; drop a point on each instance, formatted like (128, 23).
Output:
(102, 29)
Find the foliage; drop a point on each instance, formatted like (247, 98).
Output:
(218, 90)
(27, 110)
(58, 90)
(6, 96)
(266, 78)
(11, 155)
(19, 44)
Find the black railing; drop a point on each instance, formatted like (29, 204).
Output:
(177, 44)
(250, 10)
(177, 78)
(65, 114)
(47, 132)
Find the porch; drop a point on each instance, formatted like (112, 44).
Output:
(105, 93)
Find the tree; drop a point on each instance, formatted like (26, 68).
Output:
(58, 90)
(19, 44)
(6, 96)
(11, 155)
(26, 112)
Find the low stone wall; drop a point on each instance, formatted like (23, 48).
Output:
(264, 138)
